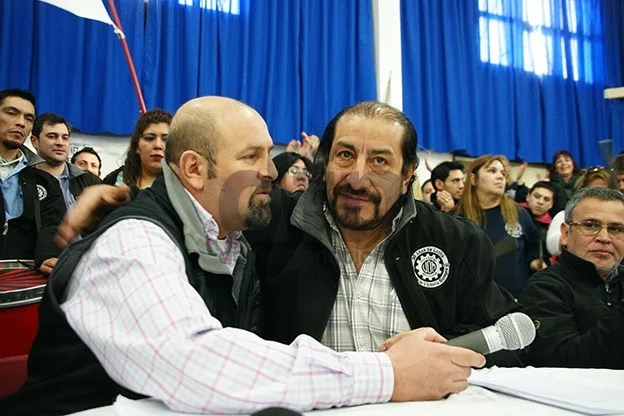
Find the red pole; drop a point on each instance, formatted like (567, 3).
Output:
(124, 44)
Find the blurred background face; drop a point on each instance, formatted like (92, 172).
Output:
(540, 201)
(428, 190)
(151, 146)
(564, 166)
(53, 143)
(490, 179)
(620, 181)
(603, 249)
(297, 177)
(17, 116)
(454, 184)
(364, 172)
(88, 162)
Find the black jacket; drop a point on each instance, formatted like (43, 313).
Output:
(64, 376)
(31, 236)
(580, 318)
(300, 275)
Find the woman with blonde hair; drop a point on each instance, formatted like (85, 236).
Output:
(507, 224)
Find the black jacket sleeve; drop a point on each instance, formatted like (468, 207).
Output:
(482, 302)
(558, 342)
(532, 238)
(52, 210)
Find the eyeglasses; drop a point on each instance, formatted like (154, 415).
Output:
(294, 171)
(590, 228)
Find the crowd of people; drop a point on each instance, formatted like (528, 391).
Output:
(208, 275)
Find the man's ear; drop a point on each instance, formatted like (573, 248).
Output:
(192, 170)
(565, 233)
(34, 141)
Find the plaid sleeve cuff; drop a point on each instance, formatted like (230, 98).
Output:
(373, 378)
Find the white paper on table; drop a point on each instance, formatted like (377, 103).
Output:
(475, 401)
(589, 391)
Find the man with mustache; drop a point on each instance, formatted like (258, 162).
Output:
(163, 300)
(33, 202)
(578, 303)
(355, 261)
(51, 138)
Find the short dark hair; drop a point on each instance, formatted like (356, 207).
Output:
(90, 150)
(443, 170)
(373, 109)
(50, 119)
(15, 92)
(618, 164)
(543, 184)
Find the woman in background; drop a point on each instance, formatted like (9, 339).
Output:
(427, 190)
(508, 226)
(145, 153)
(563, 173)
(596, 177)
(293, 172)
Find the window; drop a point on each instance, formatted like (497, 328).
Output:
(545, 37)
(225, 6)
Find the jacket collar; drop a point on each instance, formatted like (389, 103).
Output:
(31, 157)
(585, 270)
(74, 170)
(193, 229)
(309, 213)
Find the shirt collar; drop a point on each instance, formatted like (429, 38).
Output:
(211, 228)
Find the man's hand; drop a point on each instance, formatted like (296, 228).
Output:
(537, 265)
(425, 369)
(445, 200)
(94, 202)
(520, 173)
(48, 265)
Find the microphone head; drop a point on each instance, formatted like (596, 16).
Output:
(516, 329)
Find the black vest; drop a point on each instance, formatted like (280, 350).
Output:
(64, 376)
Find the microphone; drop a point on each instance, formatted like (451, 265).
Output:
(511, 332)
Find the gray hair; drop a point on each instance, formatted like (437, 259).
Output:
(602, 194)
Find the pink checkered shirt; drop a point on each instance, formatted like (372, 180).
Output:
(130, 301)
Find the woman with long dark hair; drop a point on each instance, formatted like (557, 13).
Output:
(145, 153)
(507, 224)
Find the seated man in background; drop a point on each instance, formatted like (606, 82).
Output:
(448, 181)
(539, 202)
(51, 138)
(162, 300)
(578, 303)
(88, 159)
(33, 204)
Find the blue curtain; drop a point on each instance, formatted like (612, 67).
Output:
(614, 57)
(491, 76)
(74, 66)
(285, 58)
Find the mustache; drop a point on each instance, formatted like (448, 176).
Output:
(347, 190)
(264, 188)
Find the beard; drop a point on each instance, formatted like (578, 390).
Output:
(259, 213)
(11, 144)
(350, 217)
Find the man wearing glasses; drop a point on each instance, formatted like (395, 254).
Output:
(578, 303)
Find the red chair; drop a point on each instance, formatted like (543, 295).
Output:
(13, 373)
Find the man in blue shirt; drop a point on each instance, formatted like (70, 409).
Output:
(50, 137)
(32, 201)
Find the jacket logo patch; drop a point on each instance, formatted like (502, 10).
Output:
(41, 192)
(515, 231)
(431, 266)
